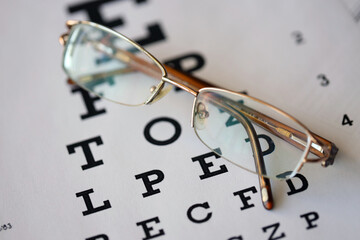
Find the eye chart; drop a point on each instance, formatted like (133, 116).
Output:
(73, 166)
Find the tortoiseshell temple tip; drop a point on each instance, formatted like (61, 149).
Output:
(331, 158)
(266, 195)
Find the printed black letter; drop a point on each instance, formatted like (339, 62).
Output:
(202, 205)
(294, 190)
(89, 103)
(162, 142)
(179, 62)
(91, 162)
(236, 238)
(149, 183)
(244, 199)
(275, 226)
(92, 8)
(148, 229)
(310, 218)
(90, 208)
(98, 237)
(205, 166)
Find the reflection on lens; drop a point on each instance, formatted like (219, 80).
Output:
(108, 65)
(219, 124)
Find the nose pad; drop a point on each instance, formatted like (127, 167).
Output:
(162, 93)
(201, 110)
(152, 89)
(201, 115)
(157, 92)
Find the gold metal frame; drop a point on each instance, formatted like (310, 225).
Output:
(308, 142)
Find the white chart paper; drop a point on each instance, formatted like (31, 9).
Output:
(301, 56)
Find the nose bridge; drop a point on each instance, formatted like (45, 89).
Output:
(178, 83)
(161, 91)
(185, 81)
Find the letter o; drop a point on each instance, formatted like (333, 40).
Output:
(154, 141)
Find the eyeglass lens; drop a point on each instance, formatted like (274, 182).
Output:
(108, 65)
(216, 122)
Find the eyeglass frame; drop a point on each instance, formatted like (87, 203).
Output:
(194, 86)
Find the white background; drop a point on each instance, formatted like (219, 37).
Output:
(247, 45)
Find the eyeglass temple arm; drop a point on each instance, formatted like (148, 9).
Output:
(265, 186)
(324, 149)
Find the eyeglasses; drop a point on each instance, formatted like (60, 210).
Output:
(246, 131)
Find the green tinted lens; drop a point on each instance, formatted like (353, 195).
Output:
(217, 123)
(106, 63)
